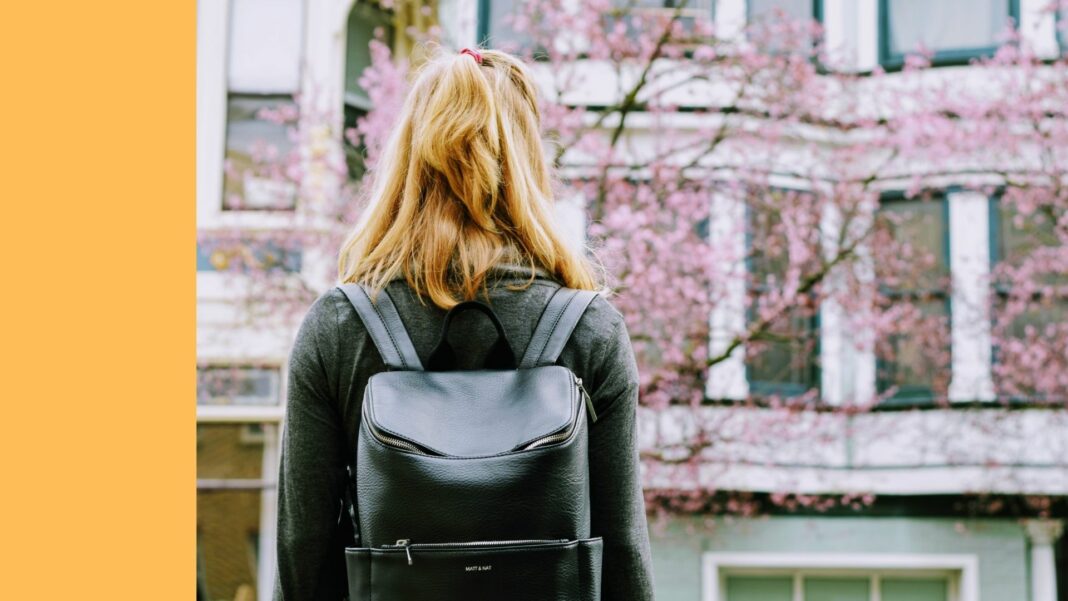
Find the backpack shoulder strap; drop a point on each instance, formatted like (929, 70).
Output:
(557, 322)
(384, 325)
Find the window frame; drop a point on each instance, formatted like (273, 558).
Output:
(763, 388)
(961, 570)
(918, 394)
(894, 61)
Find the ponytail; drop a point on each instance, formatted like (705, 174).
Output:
(458, 138)
(462, 184)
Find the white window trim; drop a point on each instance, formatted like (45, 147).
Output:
(212, 25)
(239, 414)
(969, 263)
(727, 379)
(730, 18)
(265, 573)
(964, 569)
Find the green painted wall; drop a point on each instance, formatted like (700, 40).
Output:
(1000, 544)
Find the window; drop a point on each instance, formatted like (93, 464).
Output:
(911, 246)
(756, 576)
(238, 410)
(235, 497)
(497, 19)
(835, 588)
(220, 386)
(496, 28)
(955, 31)
(1015, 238)
(366, 22)
(793, 9)
(642, 14)
(763, 14)
(263, 74)
(258, 148)
(783, 358)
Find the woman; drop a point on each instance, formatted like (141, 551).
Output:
(460, 208)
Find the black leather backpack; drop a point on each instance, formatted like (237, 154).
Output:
(472, 485)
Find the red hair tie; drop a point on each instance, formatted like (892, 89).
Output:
(475, 55)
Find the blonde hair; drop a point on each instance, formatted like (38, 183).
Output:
(462, 184)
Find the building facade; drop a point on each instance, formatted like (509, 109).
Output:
(918, 541)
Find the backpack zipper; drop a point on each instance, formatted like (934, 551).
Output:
(406, 544)
(392, 441)
(586, 398)
(396, 442)
(562, 435)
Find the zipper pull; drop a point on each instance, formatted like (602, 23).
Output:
(402, 543)
(407, 544)
(587, 399)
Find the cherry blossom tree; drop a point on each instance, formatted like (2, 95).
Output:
(742, 174)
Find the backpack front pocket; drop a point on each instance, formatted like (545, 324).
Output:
(512, 570)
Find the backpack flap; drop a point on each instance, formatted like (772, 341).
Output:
(438, 412)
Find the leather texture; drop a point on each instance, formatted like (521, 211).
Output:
(385, 327)
(439, 411)
(558, 571)
(445, 458)
(538, 493)
(555, 326)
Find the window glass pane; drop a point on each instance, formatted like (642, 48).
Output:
(792, 9)
(258, 153)
(265, 46)
(1062, 26)
(914, 589)
(1038, 316)
(237, 385)
(1035, 316)
(917, 362)
(784, 358)
(836, 589)
(921, 224)
(764, 15)
(364, 21)
(914, 273)
(945, 24)
(759, 588)
(784, 361)
(499, 29)
(229, 496)
(648, 13)
(1019, 236)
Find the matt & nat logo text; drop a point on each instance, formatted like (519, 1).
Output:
(480, 568)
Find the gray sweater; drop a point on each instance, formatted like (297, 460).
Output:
(333, 357)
